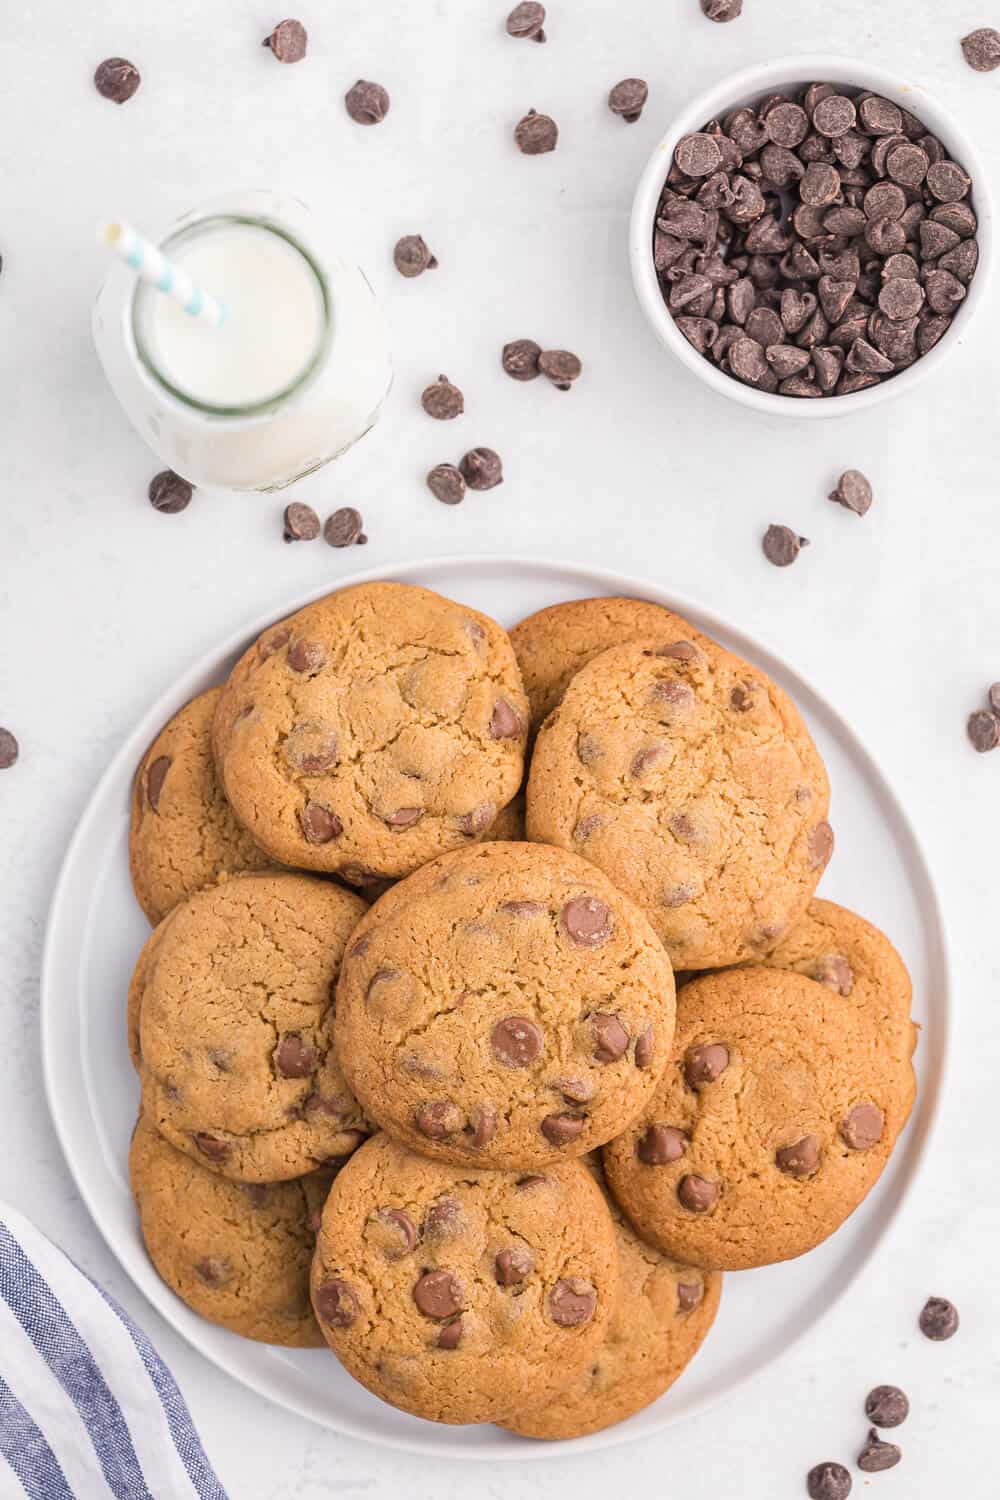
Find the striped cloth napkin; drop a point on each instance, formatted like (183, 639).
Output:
(88, 1410)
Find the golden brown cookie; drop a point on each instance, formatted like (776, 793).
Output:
(690, 779)
(505, 1006)
(183, 833)
(552, 645)
(372, 730)
(661, 1314)
(773, 1120)
(237, 1253)
(455, 1293)
(234, 1004)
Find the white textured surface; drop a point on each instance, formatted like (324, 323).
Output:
(896, 618)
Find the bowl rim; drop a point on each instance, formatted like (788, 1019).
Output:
(743, 86)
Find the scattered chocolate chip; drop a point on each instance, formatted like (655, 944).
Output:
(438, 1294)
(800, 1159)
(981, 49)
(828, 1481)
(576, 1090)
(482, 469)
(993, 697)
(517, 1041)
(288, 41)
(644, 1048)
(155, 777)
(697, 1194)
(610, 1038)
(450, 1335)
(438, 1119)
(862, 1127)
(659, 1145)
(116, 79)
(411, 256)
(527, 20)
(572, 1301)
(820, 844)
(446, 484)
(877, 1455)
(689, 1295)
(835, 972)
(213, 1270)
(938, 1319)
(587, 921)
(301, 522)
(319, 824)
(9, 751)
(306, 656)
(367, 103)
(344, 528)
(169, 493)
(520, 359)
(505, 721)
(403, 817)
(311, 747)
(536, 134)
(336, 1302)
(212, 1147)
(560, 1129)
(628, 97)
(698, 154)
(394, 1232)
(512, 1266)
(853, 492)
(295, 1058)
(781, 545)
(561, 367)
(705, 1064)
(444, 1220)
(887, 1406)
(722, 10)
(483, 1123)
(442, 400)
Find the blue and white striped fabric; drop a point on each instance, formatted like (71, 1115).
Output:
(88, 1410)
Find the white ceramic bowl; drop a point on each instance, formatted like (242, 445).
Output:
(748, 87)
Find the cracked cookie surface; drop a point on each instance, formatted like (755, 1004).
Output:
(661, 1314)
(552, 645)
(776, 1114)
(689, 777)
(456, 1294)
(231, 1016)
(183, 834)
(371, 731)
(505, 1006)
(239, 1254)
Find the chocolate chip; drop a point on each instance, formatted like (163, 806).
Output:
(886, 1406)
(319, 824)
(572, 1301)
(155, 776)
(169, 493)
(214, 1270)
(520, 359)
(311, 747)
(9, 751)
(722, 10)
(576, 1090)
(560, 1129)
(610, 1038)
(993, 697)
(781, 545)
(862, 1127)
(697, 155)
(445, 1220)
(689, 1295)
(834, 115)
(644, 1048)
(820, 843)
(901, 297)
(938, 1319)
(853, 492)
(787, 124)
(527, 20)
(482, 469)
(411, 256)
(306, 656)
(450, 1335)
(438, 1294)
(835, 972)
(336, 1302)
(800, 1159)
(561, 367)
(288, 41)
(438, 1119)
(948, 181)
(587, 921)
(442, 400)
(116, 79)
(659, 1145)
(301, 522)
(981, 49)
(877, 1455)
(828, 1481)
(294, 1058)
(484, 1125)
(628, 97)
(820, 186)
(446, 484)
(403, 817)
(879, 116)
(212, 1147)
(536, 134)
(344, 527)
(367, 103)
(944, 292)
(517, 1041)
(705, 1064)
(396, 1232)
(511, 1267)
(697, 1194)
(505, 721)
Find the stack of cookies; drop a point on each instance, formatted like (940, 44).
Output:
(416, 1081)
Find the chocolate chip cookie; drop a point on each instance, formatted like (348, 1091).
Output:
(552, 645)
(660, 1316)
(504, 1007)
(371, 731)
(233, 1011)
(456, 1294)
(508, 826)
(183, 833)
(237, 1253)
(775, 1116)
(690, 779)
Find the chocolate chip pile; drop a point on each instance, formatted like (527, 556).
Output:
(815, 245)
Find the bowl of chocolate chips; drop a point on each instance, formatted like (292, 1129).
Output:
(812, 236)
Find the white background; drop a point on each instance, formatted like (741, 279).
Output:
(895, 618)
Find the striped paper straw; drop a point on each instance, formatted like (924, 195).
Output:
(153, 266)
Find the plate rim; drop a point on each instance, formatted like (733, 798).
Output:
(611, 582)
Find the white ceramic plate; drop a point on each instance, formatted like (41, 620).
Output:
(96, 930)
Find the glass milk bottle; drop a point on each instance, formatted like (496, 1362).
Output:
(297, 372)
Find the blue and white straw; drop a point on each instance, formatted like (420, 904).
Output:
(153, 266)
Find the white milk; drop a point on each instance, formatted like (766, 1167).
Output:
(295, 375)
